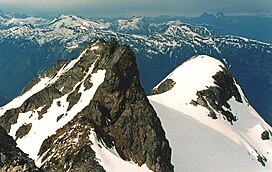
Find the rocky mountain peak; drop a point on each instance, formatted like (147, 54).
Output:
(93, 103)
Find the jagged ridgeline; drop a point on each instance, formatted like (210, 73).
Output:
(89, 114)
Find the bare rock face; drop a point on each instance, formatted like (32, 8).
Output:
(70, 149)
(119, 114)
(215, 97)
(166, 85)
(123, 115)
(11, 157)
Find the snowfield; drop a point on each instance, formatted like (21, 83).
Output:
(200, 143)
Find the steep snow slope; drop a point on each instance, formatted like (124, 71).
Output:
(209, 122)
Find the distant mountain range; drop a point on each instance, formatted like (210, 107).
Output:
(29, 45)
(253, 27)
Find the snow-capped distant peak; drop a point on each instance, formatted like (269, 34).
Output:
(130, 24)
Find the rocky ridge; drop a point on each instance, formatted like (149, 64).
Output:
(114, 114)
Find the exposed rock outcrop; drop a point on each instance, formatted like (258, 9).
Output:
(11, 157)
(215, 98)
(166, 85)
(70, 148)
(266, 135)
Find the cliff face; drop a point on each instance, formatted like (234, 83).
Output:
(95, 99)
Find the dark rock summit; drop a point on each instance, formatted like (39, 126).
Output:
(119, 113)
(11, 157)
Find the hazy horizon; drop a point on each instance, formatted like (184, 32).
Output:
(150, 8)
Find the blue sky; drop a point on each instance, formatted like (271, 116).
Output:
(117, 8)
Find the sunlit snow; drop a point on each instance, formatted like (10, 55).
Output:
(110, 161)
(200, 143)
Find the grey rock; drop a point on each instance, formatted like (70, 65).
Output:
(23, 130)
(166, 85)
